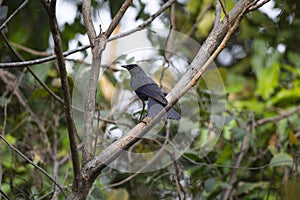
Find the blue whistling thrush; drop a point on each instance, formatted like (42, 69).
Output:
(147, 90)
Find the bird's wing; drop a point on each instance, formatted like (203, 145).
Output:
(152, 91)
(155, 107)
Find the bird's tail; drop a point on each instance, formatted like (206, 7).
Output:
(155, 107)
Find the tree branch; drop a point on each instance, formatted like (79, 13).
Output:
(13, 14)
(41, 60)
(278, 117)
(95, 43)
(146, 23)
(117, 18)
(65, 88)
(29, 50)
(87, 18)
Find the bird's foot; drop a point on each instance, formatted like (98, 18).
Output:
(142, 121)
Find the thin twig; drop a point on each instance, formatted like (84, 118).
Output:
(144, 24)
(46, 87)
(180, 188)
(199, 20)
(29, 50)
(41, 60)
(254, 7)
(225, 12)
(3, 133)
(278, 117)
(13, 14)
(13, 84)
(178, 170)
(2, 194)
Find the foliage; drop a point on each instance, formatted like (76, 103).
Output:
(262, 81)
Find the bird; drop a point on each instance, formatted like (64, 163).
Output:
(147, 90)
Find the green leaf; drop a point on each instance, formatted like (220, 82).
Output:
(294, 58)
(12, 140)
(281, 159)
(268, 80)
(96, 194)
(257, 63)
(235, 83)
(238, 133)
(260, 46)
(285, 96)
(251, 104)
(272, 149)
(210, 184)
(114, 6)
(258, 59)
(40, 71)
(291, 69)
(247, 187)
(118, 194)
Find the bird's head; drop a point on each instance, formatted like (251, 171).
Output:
(129, 67)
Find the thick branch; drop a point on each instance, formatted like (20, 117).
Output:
(90, 99)
(65, 88)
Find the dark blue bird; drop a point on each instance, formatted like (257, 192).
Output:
(147, 90)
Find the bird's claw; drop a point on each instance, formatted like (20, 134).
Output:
(142, 121)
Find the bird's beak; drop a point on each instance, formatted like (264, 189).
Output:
(124, 66)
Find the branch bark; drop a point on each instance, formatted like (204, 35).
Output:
(87, 18)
